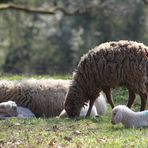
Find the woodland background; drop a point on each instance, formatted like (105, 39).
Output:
(50, 36)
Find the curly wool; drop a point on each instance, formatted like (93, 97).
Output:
(44, 97)
(129, 118)
(109, 65)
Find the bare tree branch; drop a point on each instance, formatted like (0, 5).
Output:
(35, 10)
(146, 2)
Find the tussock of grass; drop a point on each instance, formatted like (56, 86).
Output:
(54, 132)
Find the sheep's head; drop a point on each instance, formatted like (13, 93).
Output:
(72, 109)
(117, 114)
(73, 105)
(9, 108)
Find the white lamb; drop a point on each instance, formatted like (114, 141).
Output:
(101, 104)
(99, 108)
(10, 109)
(83, 112)
(129, 118)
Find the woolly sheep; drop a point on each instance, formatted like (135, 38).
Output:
(109, 65)
(129, 118)
(99, 108)
(10, 109)
(44, 97)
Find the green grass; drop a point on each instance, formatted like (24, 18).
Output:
(20, 77)
(54, 132)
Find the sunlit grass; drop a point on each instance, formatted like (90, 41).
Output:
(54, 132)
(20, 77)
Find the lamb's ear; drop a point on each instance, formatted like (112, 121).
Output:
(118, 116)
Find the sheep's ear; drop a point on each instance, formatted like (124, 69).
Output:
(118, 116)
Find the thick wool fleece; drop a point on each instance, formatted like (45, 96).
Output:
(44, 97)
(109, 65)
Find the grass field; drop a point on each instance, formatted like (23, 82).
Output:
(54, 132)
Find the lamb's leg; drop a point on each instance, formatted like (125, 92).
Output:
(143, 101)
(108, 94)
(131, 98)
(91, 103)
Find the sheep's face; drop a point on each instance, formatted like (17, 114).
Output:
(116, 115)
(73, 105)
(113, 116)
(11, 108)
(72, 109)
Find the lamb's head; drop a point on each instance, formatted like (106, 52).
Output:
(117, 114)
(9, 108)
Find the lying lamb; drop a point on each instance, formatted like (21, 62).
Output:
(10, 109)
(99, 108)
(109, 65)
(129, 118)
(83, 112)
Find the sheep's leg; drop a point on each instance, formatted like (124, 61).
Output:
(131, 98)
(91, 103)
(108, 94)
(143, 101)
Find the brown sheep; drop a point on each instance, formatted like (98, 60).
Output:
(109, 65)
(44, 97)
(99, 108)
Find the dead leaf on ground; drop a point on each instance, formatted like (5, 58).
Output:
(101, 140)
(67, 138)
(55, 128)
(76, 132)
(52, 143)
(79, 145)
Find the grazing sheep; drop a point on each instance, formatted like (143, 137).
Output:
(129, 118)
(44, 97)
(99, 108)
(109, 65)
(10, 109)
